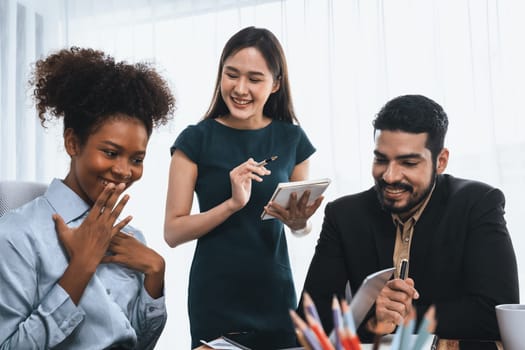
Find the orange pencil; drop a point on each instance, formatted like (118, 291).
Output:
(319, 332)
(356, 343)
(345, 339)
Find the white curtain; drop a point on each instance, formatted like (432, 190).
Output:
(27, 30)
(346, 59)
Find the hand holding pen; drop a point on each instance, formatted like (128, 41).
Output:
(267, 160)
(395, 301)
(241, 178)
(312, 336)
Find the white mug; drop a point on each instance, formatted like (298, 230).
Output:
(511, 322)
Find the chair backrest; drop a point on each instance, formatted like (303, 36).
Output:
(16, 193)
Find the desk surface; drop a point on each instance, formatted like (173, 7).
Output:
(384, 346)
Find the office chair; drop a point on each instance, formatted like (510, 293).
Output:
(15, 193)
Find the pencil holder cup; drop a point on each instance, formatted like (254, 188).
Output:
(511, 323)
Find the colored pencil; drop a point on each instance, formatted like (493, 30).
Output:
(338, 323)
(348, 318)
(426, 328)
(319, 332)
(308, 334)
(302, 340)
(396, 340)
(408, 329)
(309, 307)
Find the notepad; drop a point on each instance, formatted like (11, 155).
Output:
(367, 293)
(248, 341)
(224, 343)
(282, 192)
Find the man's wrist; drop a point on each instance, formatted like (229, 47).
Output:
(303, 231)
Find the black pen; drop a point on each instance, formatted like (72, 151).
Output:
(403, 269)
(266, 161)
(435, 342)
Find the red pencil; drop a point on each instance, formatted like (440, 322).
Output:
(350, 339)
(345, 339)
(319, 332)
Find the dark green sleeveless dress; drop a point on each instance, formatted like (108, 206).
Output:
(240, 279)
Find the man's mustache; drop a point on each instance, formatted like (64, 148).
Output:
(396, 185)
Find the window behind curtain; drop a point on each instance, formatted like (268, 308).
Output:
(27, 29)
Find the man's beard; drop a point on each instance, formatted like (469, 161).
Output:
(388, 205)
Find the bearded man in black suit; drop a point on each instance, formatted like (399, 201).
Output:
(451, 230)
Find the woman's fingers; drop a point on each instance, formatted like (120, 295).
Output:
(109, 206)
(100, 202)
(63, 232)
(60, 225)
(298, 211)
(114, 214)
(119, 226)
(250, 169)
(315, 205)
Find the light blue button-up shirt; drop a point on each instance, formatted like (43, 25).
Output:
(36, 313)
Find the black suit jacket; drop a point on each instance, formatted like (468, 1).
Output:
(461, 256)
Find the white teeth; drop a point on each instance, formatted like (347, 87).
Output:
(241, 102)
(394, 191)
(104, 182)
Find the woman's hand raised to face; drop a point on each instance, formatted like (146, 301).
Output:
(88, 243)
(241, 182)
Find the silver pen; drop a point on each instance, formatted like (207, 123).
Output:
(267, 160)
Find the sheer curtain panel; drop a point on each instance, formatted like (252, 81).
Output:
(27, 30)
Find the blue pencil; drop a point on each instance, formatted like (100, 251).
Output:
(408, 329)
(426, 328)
(348, 318)
(396, 340)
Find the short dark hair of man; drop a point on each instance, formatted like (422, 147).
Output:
(415, 114)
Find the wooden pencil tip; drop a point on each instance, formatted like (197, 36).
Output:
(430, 315)
(307, 298)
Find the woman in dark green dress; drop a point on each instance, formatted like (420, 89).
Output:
(240, 279)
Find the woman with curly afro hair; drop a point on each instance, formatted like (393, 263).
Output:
(74, 275)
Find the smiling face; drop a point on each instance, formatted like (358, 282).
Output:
(114, 152)
(403, 170)
(246, 84)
